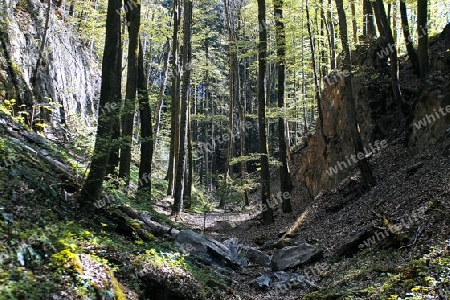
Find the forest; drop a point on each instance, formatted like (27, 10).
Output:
(224, 149)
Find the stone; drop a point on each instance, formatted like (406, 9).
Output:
(208, 248)
(293, 256)
(262, 282)
(256, 256)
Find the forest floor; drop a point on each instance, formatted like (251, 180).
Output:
(412, 191)
(51, 251)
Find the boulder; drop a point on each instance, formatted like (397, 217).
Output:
(291, 257)
(355, 242)
(255, 256)
(262, 282)
(208, 248)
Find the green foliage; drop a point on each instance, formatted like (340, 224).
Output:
(200, 202)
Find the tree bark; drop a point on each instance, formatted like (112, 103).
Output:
(285, 177)
(363, 164)
(412, 54)
(129, 107)
(355, 28)
(314, 67)
(422, 35)
(385, 30)
(145, 167)
(93, 184)
(185, 90)
(159, 107)
(175, 111)
(369, 25)
(113, 160)
(265, 172)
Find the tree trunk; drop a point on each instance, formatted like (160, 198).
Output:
(285, 177)
(369, 25)
(42, 47)
(145, 167)
(93, 184)
(422, 35)
(190, 167)
(355, 28)
(385, 30)
(113, 160)
(162, 89)
(174, 136)
(265, 171)
(316, 80)
(185, 90)
(129, 107)
(332, 37)
(412, 54)
(363, 164)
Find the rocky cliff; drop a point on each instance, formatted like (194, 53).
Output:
(68, 79)
(323, 164)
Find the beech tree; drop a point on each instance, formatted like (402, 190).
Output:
(263, 149)
(129, 107)
(363, 164)
(285, 178)
(93, 184)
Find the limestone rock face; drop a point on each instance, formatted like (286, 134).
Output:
(68, 80)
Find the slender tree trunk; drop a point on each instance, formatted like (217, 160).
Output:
(285, 177)
(113, 160)
(145, 167)
(385, 30)
(174, 132)
(394, 21)
(162, 89)
(129, 107)
(364, 165)
(42, 47)
(93, 184)
(316, 80)
(355, 28)
(422, 35)
(332, 37)
(185, 90)
(369, 25)
(265, 171)
(412, 54)
(190, 167)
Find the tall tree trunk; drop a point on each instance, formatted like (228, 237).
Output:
(92, 187)
(369, 25)
(113, 160)
(332, 37)
(42, 47)
(145, 167)
(285, 177)
(185, 90)
(355, 28)
(190, 167)
(174, 110)
(422, 35)
(129, 107)
(159, 107)
(316, 80)
(412, 54)
(265, 171)
(231, 13)
(385, 30)
(363, 164)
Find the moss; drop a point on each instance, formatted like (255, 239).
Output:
(323, 295)
(69, 261)
(116, 286)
